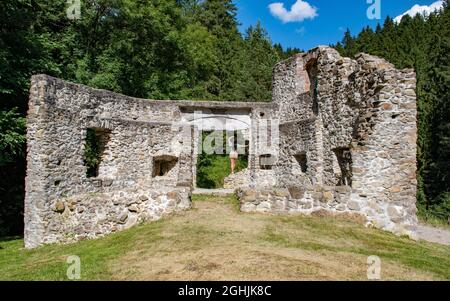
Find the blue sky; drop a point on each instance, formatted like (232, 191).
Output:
(333, 17)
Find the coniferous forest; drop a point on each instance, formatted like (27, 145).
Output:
(190, 49)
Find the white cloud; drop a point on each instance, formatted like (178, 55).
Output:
(421, 9)
(300, 11)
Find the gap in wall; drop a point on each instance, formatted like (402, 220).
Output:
(96, 141)
(162, 165)
(302, 160)
(344, 159)
(312, 70)
(212, 169)
(266, 162)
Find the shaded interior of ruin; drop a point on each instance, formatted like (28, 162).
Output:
(162, 165)
(266, 161)
(312, 70)
(343, 157)
(302, 160)
(96, 143)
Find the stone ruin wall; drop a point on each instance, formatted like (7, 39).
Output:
(63, 204)
(346, 144)
(330, 106)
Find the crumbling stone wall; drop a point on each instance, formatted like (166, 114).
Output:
(339, 136)
(64, 204)
(148, 158)
(299, 161)
(240, 179)
(354, 123)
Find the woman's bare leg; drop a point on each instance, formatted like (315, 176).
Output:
(233, 165)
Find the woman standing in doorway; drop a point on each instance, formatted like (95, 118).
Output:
(233, 154)
(233, 159)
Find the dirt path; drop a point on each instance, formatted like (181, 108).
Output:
(432, 234)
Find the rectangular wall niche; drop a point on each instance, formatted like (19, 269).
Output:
(343, 156)
(266, 162)
(95, 145)
(302, 161)
(162, 165)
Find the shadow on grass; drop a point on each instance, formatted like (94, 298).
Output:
(9, 238)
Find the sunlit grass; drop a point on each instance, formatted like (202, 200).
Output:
(212, 226)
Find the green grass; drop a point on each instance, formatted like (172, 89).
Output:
(218, 168)
(229, 200)
(433, 220)
(49, 262)
(337, 235)
(212, 227)
(436, 215)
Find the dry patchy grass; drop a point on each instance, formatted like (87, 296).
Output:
(214, 241)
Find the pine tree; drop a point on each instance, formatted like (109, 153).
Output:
(349, 44)
(261, 57)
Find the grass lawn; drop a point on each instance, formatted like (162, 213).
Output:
(213, 174)
(214, 241)
(434, 221)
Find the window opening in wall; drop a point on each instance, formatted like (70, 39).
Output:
(162, 165)
(344, 159)
(312, 70)
(247, 148)
(302, 161)
(95, 145)
(266, 161)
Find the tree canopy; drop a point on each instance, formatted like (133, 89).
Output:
(157, 49)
